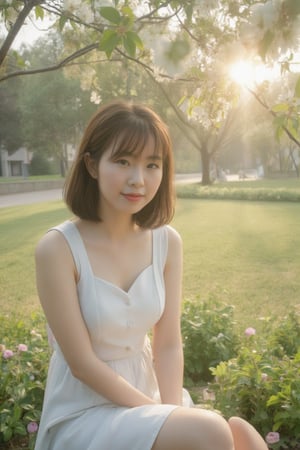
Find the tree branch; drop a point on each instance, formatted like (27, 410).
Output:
(151, 70)
(224, 131)
(83, 51)
(182, 122)
(151, 14)
(14, 30)
(285, 129)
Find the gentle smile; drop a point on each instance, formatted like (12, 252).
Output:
(133, 197)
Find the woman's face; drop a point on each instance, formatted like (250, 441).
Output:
(130, 181)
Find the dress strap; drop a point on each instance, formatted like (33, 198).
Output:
(160, 246)
(74, 240)
(160, 252)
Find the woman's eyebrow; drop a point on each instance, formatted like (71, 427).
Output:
(155, 157)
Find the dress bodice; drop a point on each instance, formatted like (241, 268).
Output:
(118, 320)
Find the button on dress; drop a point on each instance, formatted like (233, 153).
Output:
(75, 417)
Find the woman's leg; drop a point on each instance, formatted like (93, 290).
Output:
(245, 436)
(197, 429)
(194, 429)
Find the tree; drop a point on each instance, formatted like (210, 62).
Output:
(10, 136)
(182, 40)
(10, 130)
(53, 108)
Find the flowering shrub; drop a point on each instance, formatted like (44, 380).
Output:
(262, 384)
(255, 376)
(24, 359)
(285, 340)
(208, 337)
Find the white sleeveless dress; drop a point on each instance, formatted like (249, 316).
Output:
(75, 417)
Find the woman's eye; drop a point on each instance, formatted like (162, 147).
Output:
(122, 162)
(153, 166)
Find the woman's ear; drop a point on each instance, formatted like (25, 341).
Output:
(91, 165)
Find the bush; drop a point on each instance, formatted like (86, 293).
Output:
(262, 383)
(197, 191)
(208, 338)
(255, 377)
(39, 165)
(285, 340)
(23, 370)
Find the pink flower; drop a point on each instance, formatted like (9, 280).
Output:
(32, 427)
(250, 331)
(22, 348)
(272, 437)
(7, 354)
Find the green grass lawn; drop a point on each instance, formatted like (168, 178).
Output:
(30, 178)
(243, 253)
(20, 229)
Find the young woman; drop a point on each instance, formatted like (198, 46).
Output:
(104, 280)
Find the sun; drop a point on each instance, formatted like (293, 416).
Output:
(249, 74)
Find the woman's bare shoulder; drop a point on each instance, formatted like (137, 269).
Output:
(51, 244)
(174, 236)
(174, 245)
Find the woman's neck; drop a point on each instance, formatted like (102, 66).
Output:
(115, 230)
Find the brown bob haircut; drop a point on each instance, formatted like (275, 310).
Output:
(124, 127)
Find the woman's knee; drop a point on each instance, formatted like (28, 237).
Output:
(245, 436)
(194, 429)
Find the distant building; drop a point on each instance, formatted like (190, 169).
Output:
(15, 164)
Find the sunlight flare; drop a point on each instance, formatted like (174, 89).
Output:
(249, 74)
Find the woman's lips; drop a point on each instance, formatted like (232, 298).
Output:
(133, 197)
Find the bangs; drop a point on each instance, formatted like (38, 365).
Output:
(134, 139)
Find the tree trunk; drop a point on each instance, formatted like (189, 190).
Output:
(294, 162)
(205, 159)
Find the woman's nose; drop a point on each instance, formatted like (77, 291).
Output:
(136, 176)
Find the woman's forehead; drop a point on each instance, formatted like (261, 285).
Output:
(134, 144)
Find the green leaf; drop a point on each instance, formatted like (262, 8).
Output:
(110, 40)
(281, 107)
(181, 101)
(17, 412)
(292, 126)
(127, 11)
(20, 429)
(278, 133)
(297, 89)
(73, 25)
(265, 43)
(137, 40)
(62, 21)
(111, 14)
(39, 12)
(129, 44)
(7, 434)
(131, 41)
(273, 400)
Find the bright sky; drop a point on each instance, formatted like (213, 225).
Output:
(29, 32)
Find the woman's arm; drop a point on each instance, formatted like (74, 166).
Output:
(56, 283)
(167, 343)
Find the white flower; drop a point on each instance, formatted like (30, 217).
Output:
(95, 98)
